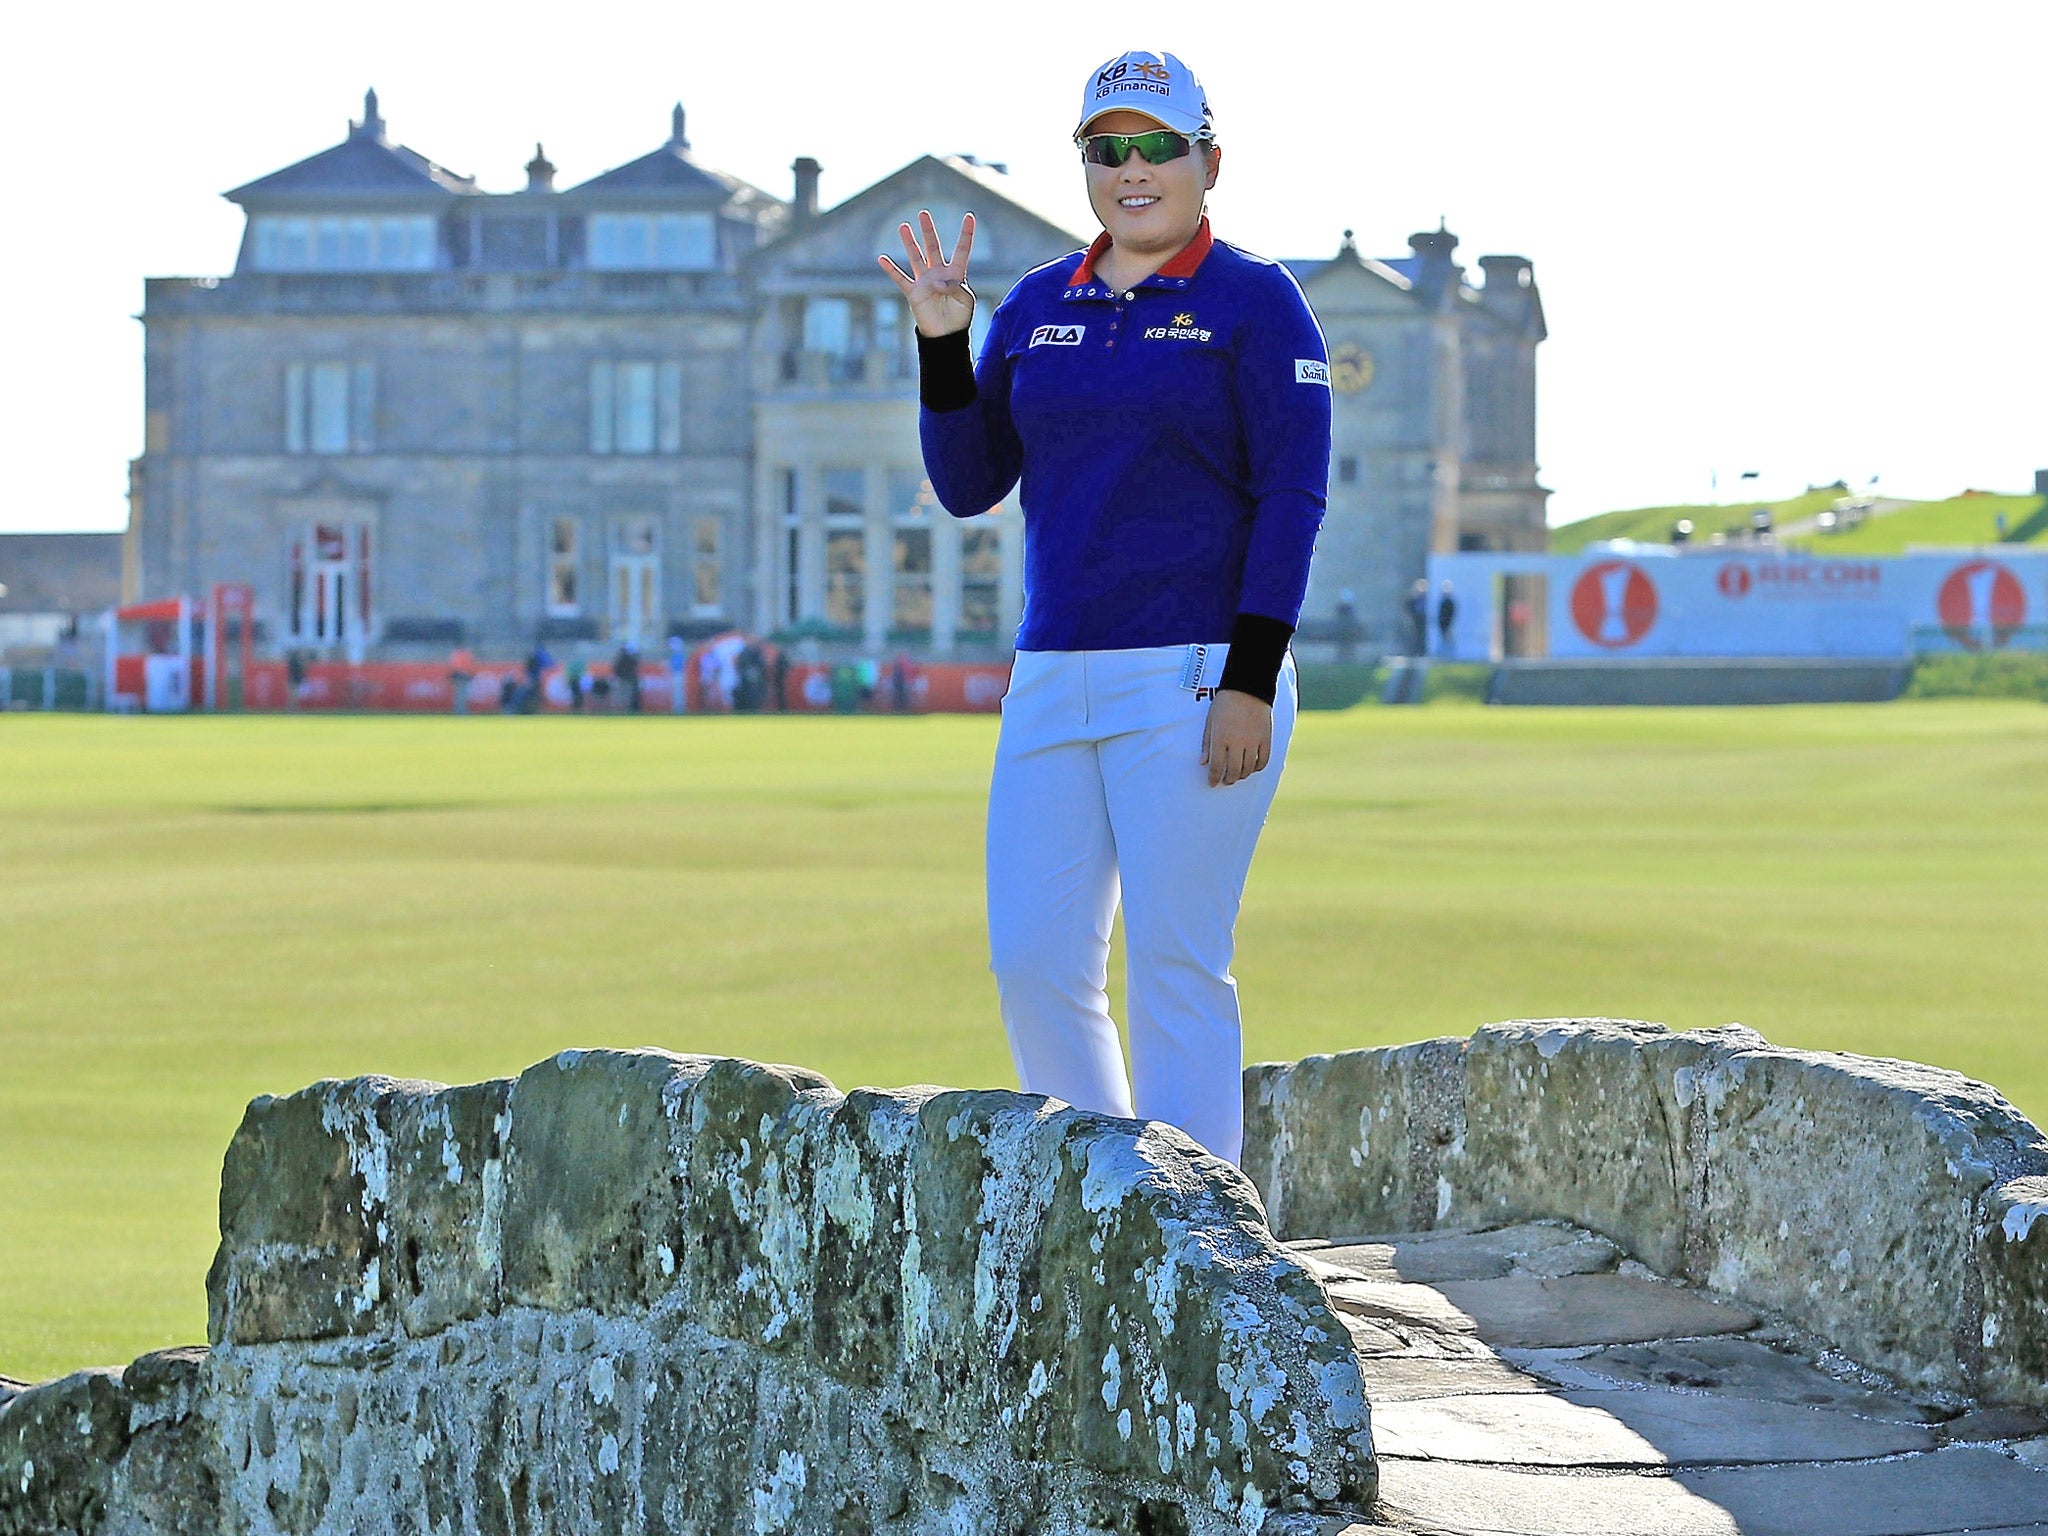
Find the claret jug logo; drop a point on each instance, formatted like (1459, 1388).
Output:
(1981, 602)
(1058, 335)
(1614, 604)
(1734, 579)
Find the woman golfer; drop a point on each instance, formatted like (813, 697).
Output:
(1165, 399)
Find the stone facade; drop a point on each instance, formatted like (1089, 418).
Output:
(418, 412)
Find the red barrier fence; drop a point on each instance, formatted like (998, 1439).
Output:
(428, 687)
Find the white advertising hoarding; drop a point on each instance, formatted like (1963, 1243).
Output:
(1735, 601)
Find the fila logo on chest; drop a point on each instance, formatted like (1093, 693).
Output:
(1058, 335)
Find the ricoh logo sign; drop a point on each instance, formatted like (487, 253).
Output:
(1614, 604)
(1800, 580)
(1981, 603)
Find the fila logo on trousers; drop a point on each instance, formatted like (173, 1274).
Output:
(1058, 335)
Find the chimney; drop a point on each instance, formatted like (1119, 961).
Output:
(806, 205)
(677, 139)
(1510, 282)
(540, 172)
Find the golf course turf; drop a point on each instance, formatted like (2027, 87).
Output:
(195, 911)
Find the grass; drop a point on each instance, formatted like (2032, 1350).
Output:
(1652, 525)
(1958, 520)
(199, 910)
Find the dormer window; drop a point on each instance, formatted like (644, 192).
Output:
(660, 242)
(344, 244)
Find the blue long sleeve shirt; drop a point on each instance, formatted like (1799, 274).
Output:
(1172, 439)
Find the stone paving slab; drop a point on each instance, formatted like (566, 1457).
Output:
(1542, 1248)
(1734, 1367)
(1529, 1313)
(1962, 1488)
(1382, 1337)
(1459, 1500)
(1420, 1306)
(1394, 1378)
(1621, 1404)
(1645, 1428)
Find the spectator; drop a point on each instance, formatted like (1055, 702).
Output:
(678, 668)
(294, 676)
(899, 684)
(752, 668)
(1418, 616)
(576, 685)
(1446, 617)
(461, 671)
(779, 672)
(626, 672)
(538, 664)
(1347, 627)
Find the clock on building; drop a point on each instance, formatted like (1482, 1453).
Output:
(1351, 368)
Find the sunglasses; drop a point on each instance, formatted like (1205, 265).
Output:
(1113, 149)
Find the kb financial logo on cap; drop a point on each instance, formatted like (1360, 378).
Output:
(1134, 75)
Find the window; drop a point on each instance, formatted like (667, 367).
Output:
(344, 244)
(329, 407)
(636, 407)
(564, 567)
(704, 572)
(981, 578)
(1347, 470)
(911, 504)
(793, 539)
(846, 557)
(891, 345)
(664, 242)
(828, 327)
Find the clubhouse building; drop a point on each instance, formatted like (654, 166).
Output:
(421, 414)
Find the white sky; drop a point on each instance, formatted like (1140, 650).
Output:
(1794, 237)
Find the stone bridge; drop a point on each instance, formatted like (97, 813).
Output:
(1563, 1276)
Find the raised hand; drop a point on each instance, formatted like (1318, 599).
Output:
(935, 288)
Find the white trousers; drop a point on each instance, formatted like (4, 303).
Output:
(1099, 793)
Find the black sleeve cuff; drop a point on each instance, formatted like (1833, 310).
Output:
(1258, 645)
(945, 371)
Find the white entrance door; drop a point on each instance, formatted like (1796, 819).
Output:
(329, 599)
(636, 580)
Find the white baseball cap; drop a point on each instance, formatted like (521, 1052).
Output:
(1156, 84)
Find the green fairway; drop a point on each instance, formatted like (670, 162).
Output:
(199, 910)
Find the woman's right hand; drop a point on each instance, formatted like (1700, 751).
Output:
(936, 289)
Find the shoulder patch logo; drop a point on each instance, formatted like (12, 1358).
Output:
(1308, 370)
(1058, 335)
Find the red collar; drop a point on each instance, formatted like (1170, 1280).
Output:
(1184, 263)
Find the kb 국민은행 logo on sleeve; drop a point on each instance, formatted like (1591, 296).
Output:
(1309, 370)
(1057, 336)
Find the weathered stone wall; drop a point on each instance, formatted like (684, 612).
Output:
(637, 1292)
(1897, 1210)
